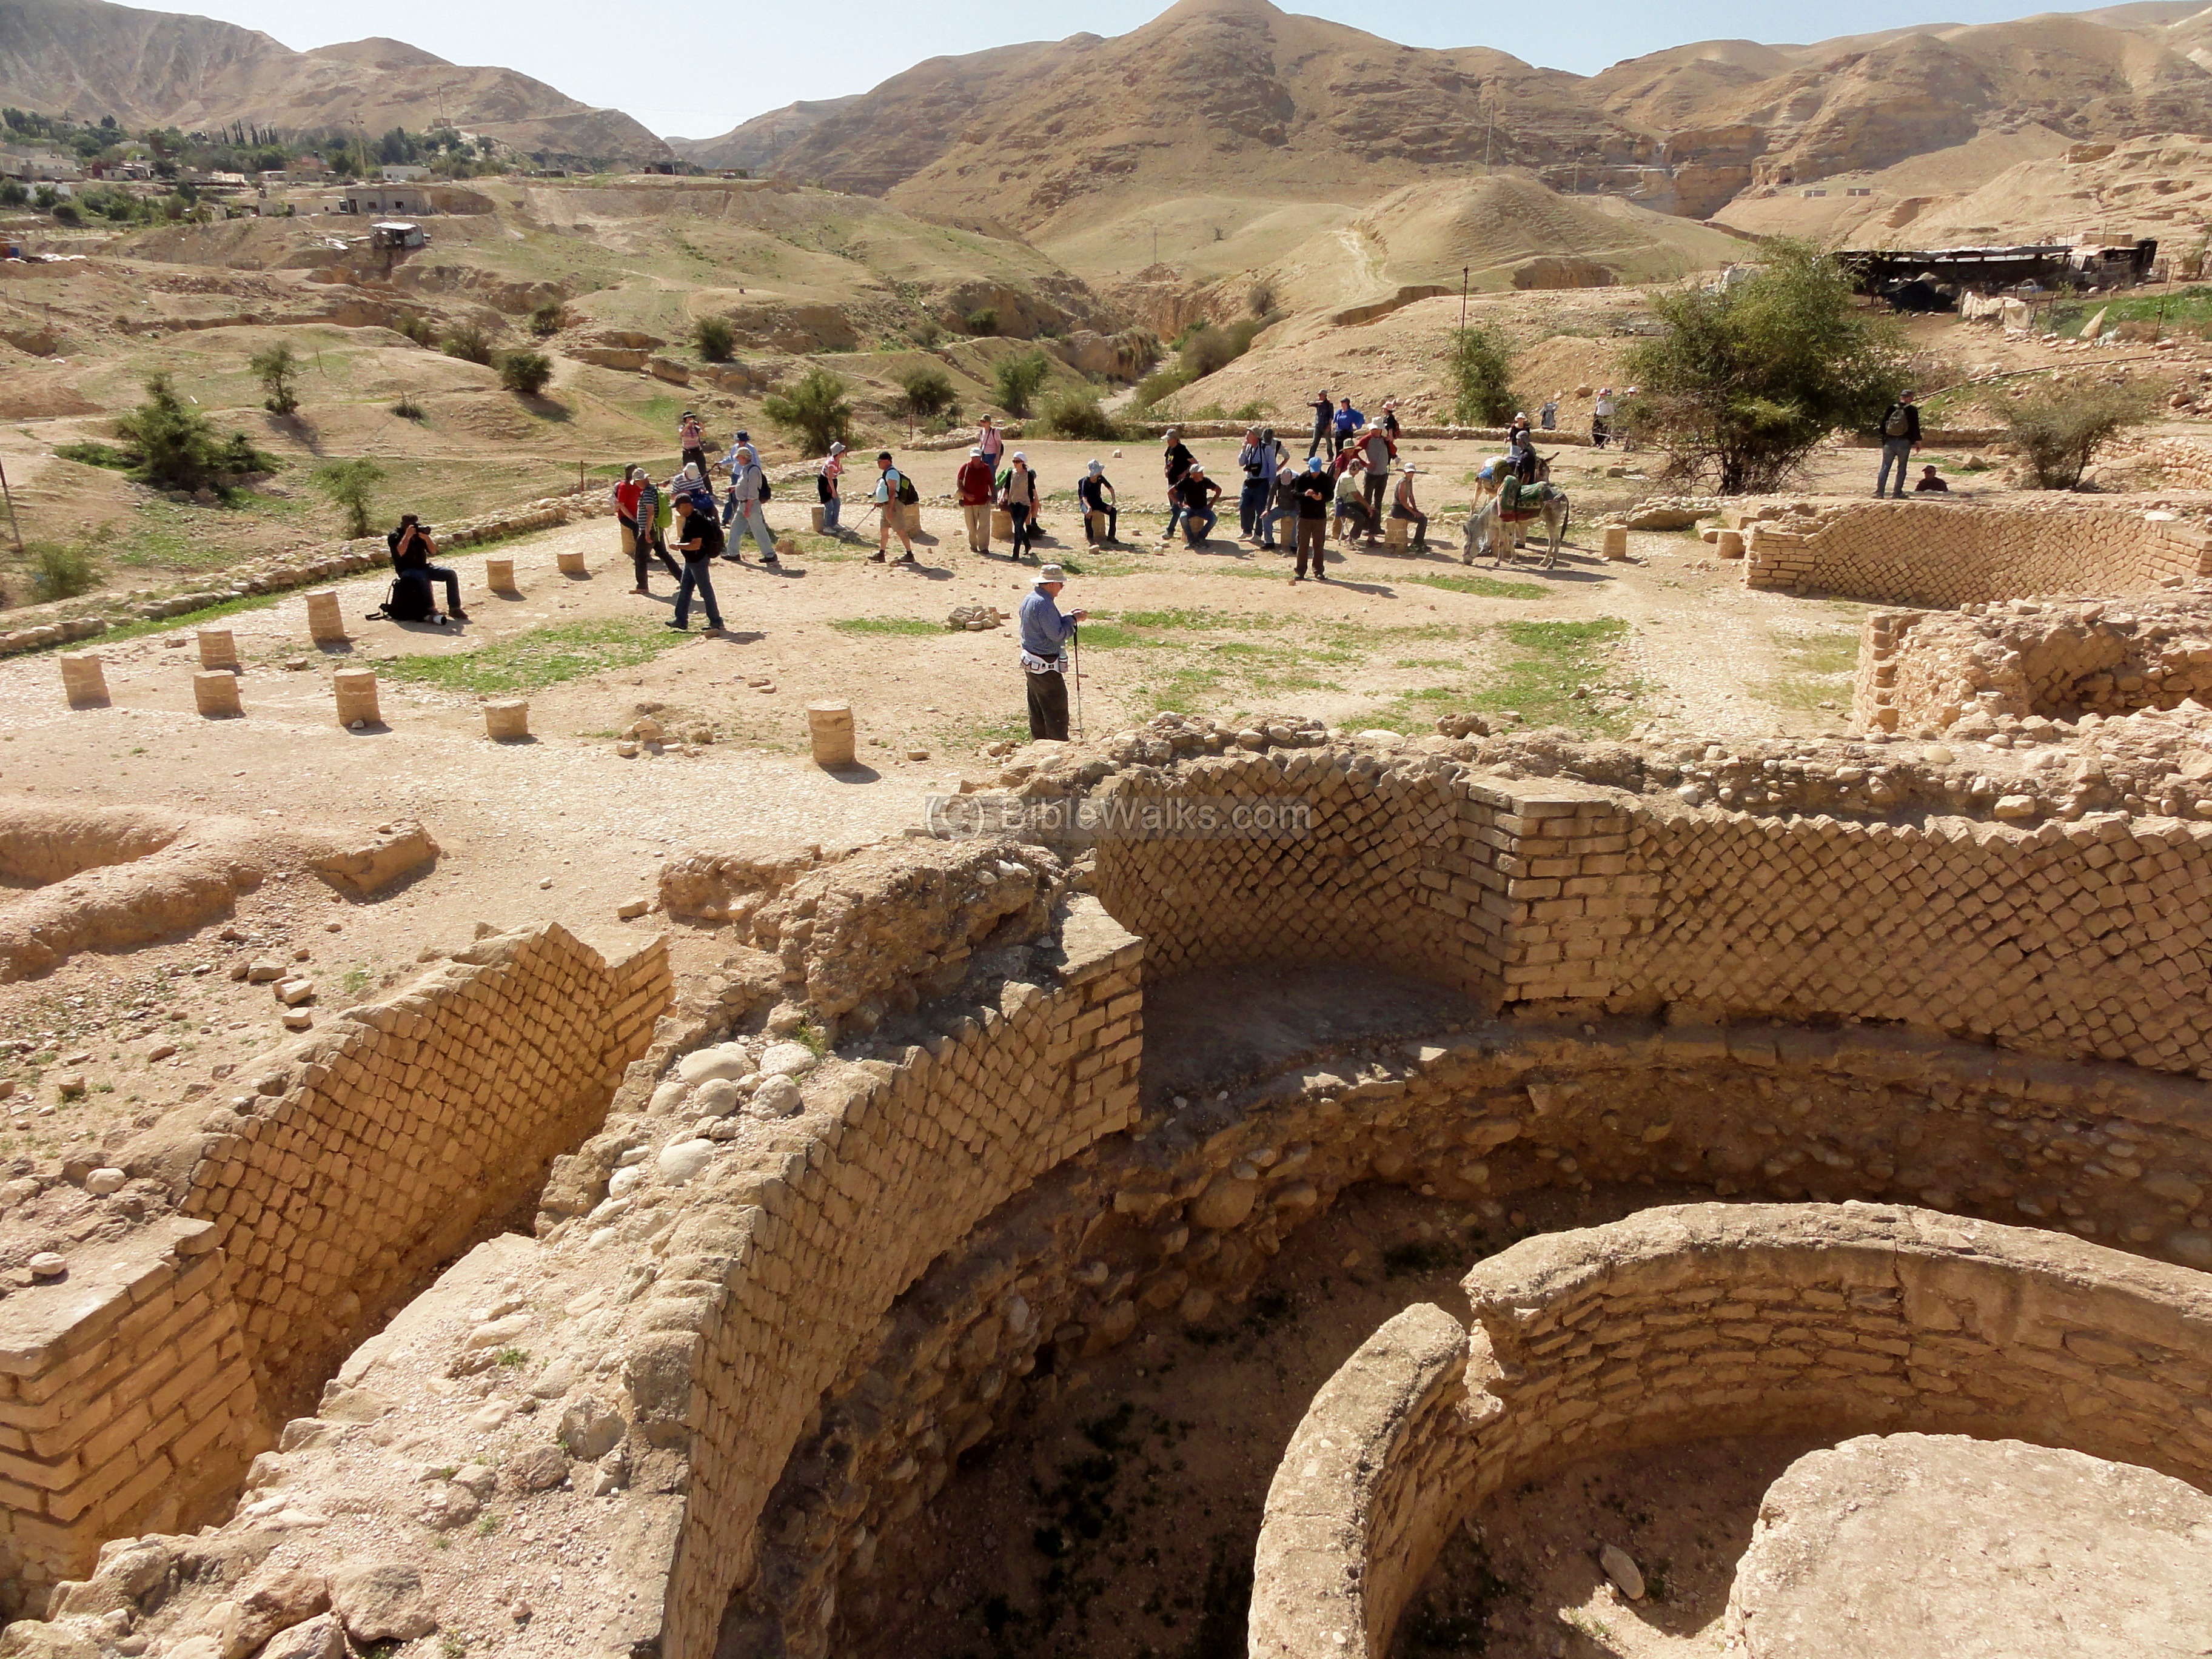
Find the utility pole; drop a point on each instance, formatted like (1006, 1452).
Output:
(1490, 127)
(15, 529)
(1465, 272)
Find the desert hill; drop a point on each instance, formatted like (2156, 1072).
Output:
(757, 145)
(86, 59)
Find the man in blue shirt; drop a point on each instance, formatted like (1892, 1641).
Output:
(1348, 422)
(1045, 633)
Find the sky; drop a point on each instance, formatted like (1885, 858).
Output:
(698, 71)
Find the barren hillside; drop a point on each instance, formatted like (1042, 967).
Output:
(86, 59)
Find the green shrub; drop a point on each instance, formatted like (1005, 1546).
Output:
(815, 411)
(408, 409)
(926, 332)
(548, 320)
(59, 572)
(2057, 430)
(277, 368)
(348, 485)
(1074, 412)
(983, 323)
(1164, 383)
(1260, 298)
(928, 391)
(13, 195)
(717, 341)
(524, 371)
(67, 213)
(1479, 370)
(471, 343)
(97, 454)
(176, 446)
(1017, 381)
(1254, 411)
(421, 329)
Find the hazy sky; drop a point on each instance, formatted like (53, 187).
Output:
(699, 69)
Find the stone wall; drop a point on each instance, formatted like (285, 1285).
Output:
(1953, 553)
(1920, 672)
(358, 1163)
(1699, 1321)
(369, 1155)
(2182, 463)
(125, 1403)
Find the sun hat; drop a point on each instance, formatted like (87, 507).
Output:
(1023, 459)
(1050, 573)
(1196, 471)
(976, 453)
(1095, 466)
(1410, 467)
(835, 449)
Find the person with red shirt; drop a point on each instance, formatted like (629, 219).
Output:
(977, 484)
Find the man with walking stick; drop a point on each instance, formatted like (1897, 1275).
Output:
(1045, 633)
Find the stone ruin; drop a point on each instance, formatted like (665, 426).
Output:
(955, 1114)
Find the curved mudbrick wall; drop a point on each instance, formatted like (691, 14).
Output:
(1698, 1321)
(1943, 554)
(967, 1174)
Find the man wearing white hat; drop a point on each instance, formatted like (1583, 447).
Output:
(1045, 633)
(1403, 506)
(1601, 417)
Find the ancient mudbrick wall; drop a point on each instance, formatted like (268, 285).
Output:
(1946, 554)
(125, 1403)
(762, 1295)
(1920, 672)
(371, 1154)
(1703, 1319)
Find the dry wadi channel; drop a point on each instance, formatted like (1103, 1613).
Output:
(619, 1190)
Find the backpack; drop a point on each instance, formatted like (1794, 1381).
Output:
(664, 512)
(766, 494)
(907, 495)
(1898, 425)
(409, 601)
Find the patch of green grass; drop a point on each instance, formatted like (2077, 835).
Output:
(1484, 587)
(1544, 663)
(1818, 669)
(2190, 309)
(540, 658)
(915, 627)
(97, 454)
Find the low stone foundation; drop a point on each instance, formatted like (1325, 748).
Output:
(1701, 1321)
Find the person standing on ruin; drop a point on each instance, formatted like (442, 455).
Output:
(1347, 422)
(1323, 412)
(1389, 423)
(691, 437)
(1549, 413)
(1045, 633)
(1257, 458)
(1018, 495)
(626, 533)
(976, 485)
(991, 441)
(1901, 437)
(1377, 452)
(1601, 417)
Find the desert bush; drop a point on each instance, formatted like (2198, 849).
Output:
(1016, 380)
(716, 340)
(176, 446)
(526, 372)
(421, 329)
(277, 368)
(2057, 430)
(1260, 298)
(926, 331)
(815, 411)
(1748, 380)
(1163, 383)
(470, 342)
(1074, 412)
(549, 319)
(67, 213)
(408, 409)
(350, 486)
(1254, 411)
(13, 195)
(62, 571)
(983, 322)
(928, 392)
(1479, 370)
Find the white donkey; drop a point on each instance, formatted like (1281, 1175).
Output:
(1488, 531)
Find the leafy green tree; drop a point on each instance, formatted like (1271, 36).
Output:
(928, 391)
(350, 486)
(176, 445)
(278, 368)
(1075, 412)
(470, 343)
(1016, 380)
(1747, 380)
(548, 320)
(526, 372)
(2059, 428)
(1479, 370)
(717, 341)
(815, 411)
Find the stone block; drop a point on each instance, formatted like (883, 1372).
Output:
(218, 648)
(829, 731)
(84, 680)
(214, 693)
(571, 563)
(325, 623)
(499, 576)
(356, 691)
(507, 719)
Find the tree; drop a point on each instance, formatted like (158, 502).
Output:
(277, 368)
(470, 343)
(1747, 380)
(928, 391)
(1075, 412)
(717, 341)
(526, 372)
(1017, 381)
(548, 320)
(175, 444)
(815, 411)
(349, 484)
(2057, 428)
(1479, 370)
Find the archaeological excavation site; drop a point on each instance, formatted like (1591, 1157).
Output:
(1482, 1193)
